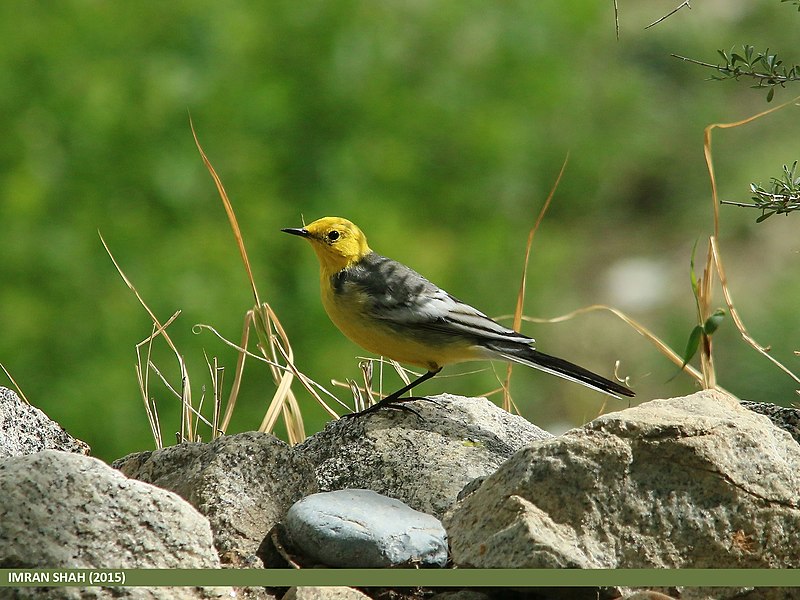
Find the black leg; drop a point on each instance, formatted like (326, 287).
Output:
(394, 400)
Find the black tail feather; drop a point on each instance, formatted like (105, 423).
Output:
(523, 354)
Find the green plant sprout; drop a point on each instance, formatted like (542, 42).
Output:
(705, 327)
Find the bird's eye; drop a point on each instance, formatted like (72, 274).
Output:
(333, 235)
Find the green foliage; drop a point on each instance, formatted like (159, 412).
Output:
(766, 69)
(782, 198)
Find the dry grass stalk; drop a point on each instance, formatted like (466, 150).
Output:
(186, 432)
(273, 342)
(714, 252)
(14, 383)
(508, 402)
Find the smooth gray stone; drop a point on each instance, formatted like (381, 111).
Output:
(362, 529)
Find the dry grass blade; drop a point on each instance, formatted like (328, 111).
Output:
(237, 377)
(359, 403)
(14, 383)
(367, 367)
(307, 382)
(508, 403)
(293, 417)
(217, 375)
(279, 344)
(367, 373)
(636, 326)
(143, 378)
(191, 409)
(186, 431)
(738, 320)
(704, 304)
(237, 233)
(714, 250)
(709, 157)
(263, 319)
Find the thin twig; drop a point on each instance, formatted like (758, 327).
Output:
(669, 14)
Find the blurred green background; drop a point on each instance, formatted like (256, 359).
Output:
(438, 127)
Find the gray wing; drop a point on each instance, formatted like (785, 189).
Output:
(403, 298)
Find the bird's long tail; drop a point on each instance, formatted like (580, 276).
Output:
(524, 354)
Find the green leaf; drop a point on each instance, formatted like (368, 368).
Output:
(765, 216)
(713, 322)
(692, 345)
(692, 276)
(770, 94)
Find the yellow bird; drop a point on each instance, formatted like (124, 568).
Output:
(391, 310)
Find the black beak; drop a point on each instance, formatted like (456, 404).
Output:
(301, 232)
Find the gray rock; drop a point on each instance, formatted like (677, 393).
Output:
(422, 462)
(362, 529)
(243, 483)
(786, 418)
(66, 510)
(324, 593)
(694, 482)
(24, 429)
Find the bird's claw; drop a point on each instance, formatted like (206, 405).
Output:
(393, 404)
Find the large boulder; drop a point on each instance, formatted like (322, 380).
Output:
(424, 460)
(66, 510)
(243, 483)
(697, 482)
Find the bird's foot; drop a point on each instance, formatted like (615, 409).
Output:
(391, 404)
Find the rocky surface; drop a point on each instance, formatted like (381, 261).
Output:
(361, 529)
(422, 462)
(786, 418)
(24, 429)
(694, 482)
(67, 510)
(700, 481)
(243, 483)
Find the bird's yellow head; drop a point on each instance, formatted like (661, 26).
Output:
(337, 242)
